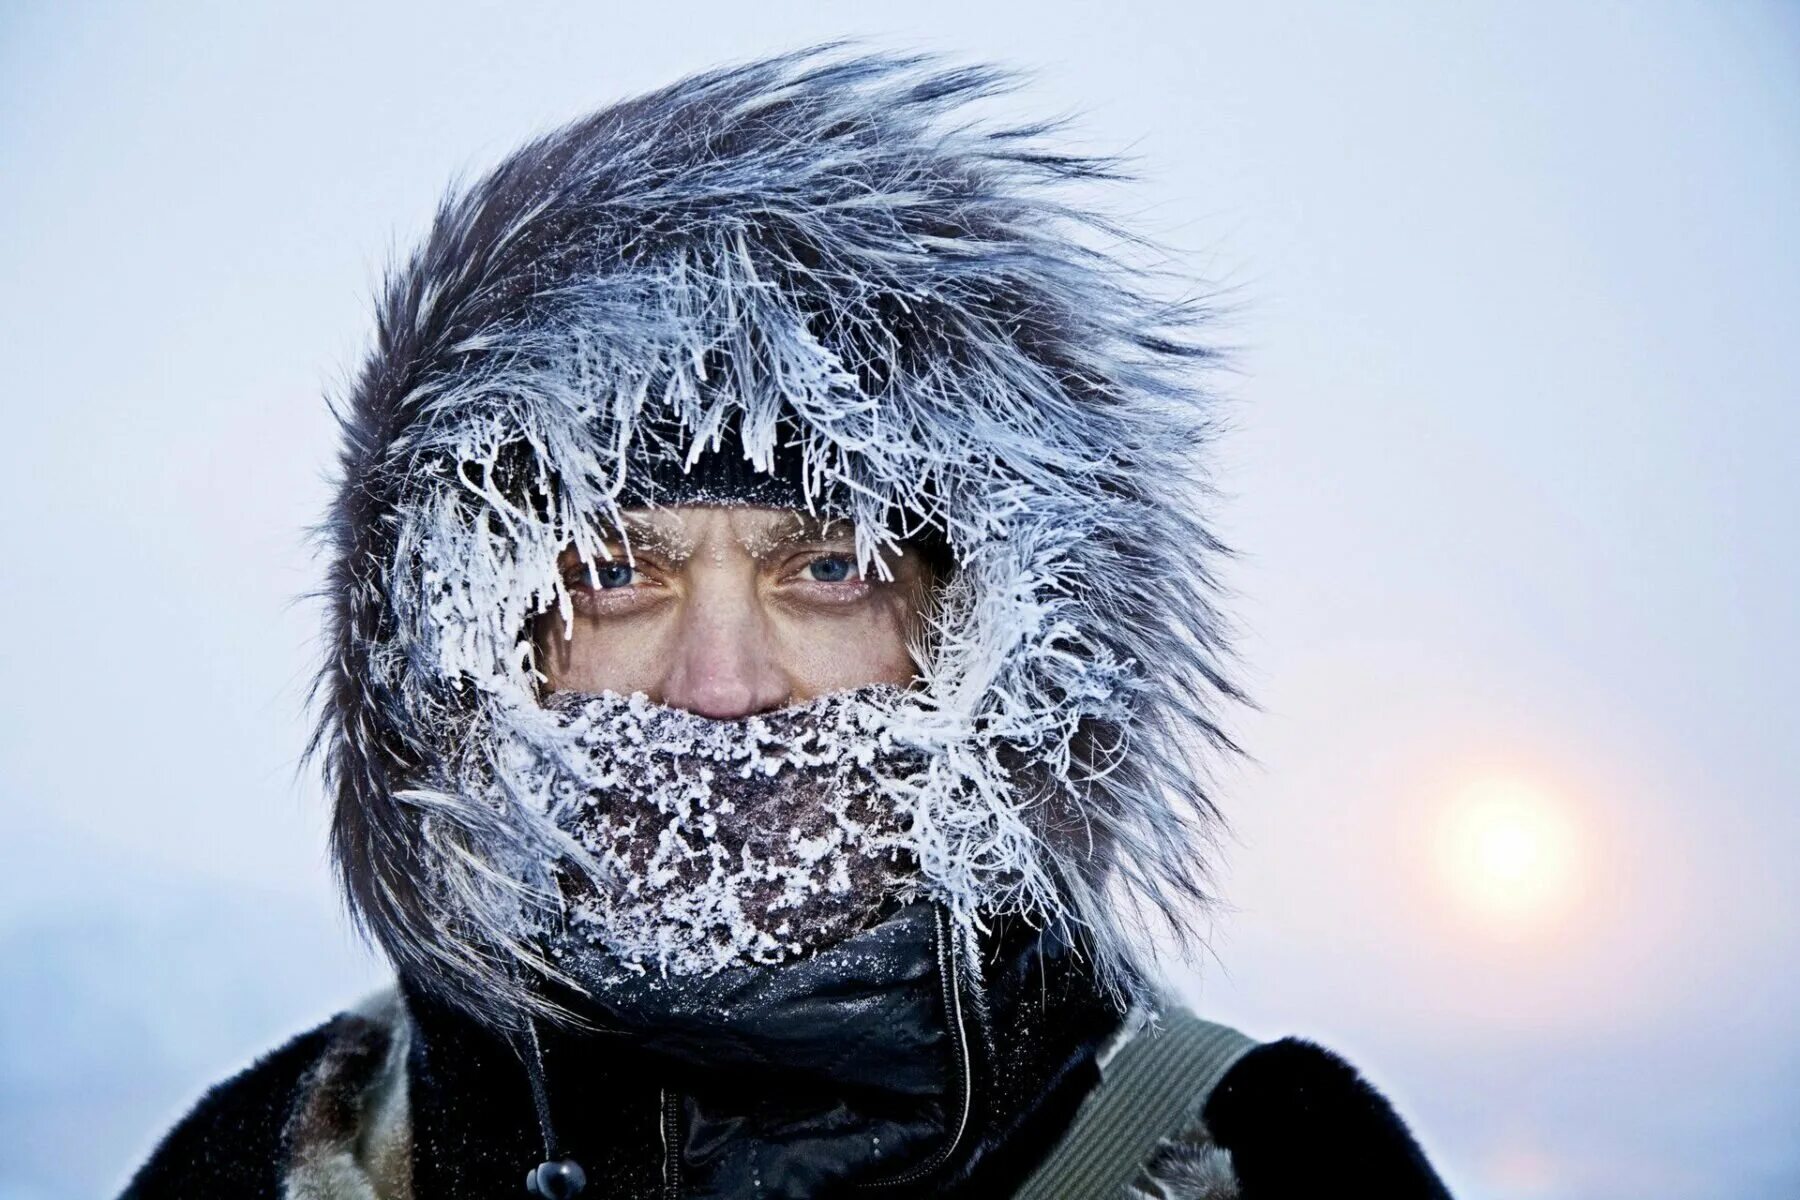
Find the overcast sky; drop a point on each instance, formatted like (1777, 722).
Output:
(1515, 294)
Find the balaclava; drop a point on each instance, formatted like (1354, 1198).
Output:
(823, 280)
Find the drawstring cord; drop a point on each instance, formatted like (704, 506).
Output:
(556, 1178)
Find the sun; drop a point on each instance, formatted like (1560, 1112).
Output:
(1509, 851)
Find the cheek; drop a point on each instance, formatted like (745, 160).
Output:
(596, 656)
(826, 655)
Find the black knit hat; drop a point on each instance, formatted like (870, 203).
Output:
(657, 472)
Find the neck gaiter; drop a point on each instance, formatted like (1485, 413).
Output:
(716, 843)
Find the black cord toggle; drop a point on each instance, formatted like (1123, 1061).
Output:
(556, 1178)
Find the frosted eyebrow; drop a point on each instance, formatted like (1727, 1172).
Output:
(805, 528)
(640, 534)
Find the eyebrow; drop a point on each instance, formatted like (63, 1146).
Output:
(810, 528)
(640, 533)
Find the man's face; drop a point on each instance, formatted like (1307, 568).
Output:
(727, 611)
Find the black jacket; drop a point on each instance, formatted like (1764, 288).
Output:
(939, 1085)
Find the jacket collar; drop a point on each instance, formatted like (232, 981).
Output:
(349, 1135)
(989, 1049)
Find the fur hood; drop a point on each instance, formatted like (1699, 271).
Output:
(828, 254)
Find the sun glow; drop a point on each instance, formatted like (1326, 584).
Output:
(1510, 852)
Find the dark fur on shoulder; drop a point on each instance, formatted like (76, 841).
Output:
(231, 1143)
(1301, 1123)
(320, 1116)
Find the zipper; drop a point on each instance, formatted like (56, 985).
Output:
(670, 1124)
(949, 972)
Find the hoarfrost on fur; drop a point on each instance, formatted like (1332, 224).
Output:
(823, 252)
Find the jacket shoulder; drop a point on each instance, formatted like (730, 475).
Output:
(1298, 1120)
(231, 1142)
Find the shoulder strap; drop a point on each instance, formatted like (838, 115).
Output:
(1154, 1087)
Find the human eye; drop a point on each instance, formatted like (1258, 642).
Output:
(832, 568)
(604, 584)
(601, 575)
(614, 575)
(825, 576)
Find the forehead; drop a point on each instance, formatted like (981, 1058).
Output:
(681, 527)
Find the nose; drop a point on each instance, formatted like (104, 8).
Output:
(723, 663)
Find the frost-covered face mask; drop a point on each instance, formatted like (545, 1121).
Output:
(719, 843)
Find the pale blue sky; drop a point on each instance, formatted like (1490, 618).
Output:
(1517, 289)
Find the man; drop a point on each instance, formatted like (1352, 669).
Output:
(774, 644)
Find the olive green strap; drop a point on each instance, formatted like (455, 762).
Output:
(1154, 1088)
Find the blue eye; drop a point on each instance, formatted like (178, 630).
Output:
(832, 568)
(614, 574)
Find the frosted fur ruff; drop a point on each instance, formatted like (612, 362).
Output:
(825, 249)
